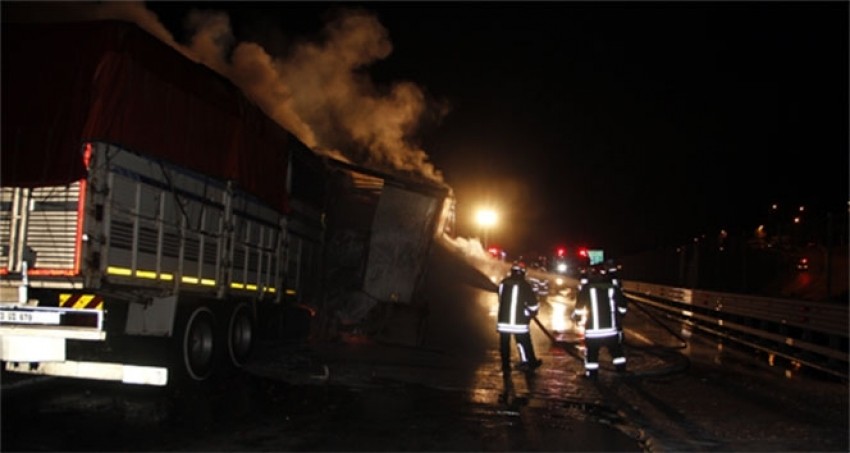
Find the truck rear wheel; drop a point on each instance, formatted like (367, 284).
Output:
(240, 335)
(197, 347)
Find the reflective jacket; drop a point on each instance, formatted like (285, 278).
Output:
(517, 305)
(604, 305)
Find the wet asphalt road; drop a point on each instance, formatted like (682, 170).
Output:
(382, 394)
(355, 399)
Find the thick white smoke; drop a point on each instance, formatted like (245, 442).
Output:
(319, 92)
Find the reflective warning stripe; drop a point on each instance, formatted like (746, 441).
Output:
(81, 301)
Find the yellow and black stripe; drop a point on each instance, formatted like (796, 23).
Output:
(81, 301)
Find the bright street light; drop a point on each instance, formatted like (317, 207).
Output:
(486, 219)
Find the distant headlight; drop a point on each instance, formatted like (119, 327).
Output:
(561, 267)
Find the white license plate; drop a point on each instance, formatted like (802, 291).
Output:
(29, 317)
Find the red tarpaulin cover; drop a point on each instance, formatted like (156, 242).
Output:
(69, 83)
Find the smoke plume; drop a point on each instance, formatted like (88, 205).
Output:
(319, 91)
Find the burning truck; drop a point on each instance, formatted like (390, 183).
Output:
(154, 221)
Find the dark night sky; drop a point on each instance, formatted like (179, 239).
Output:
(635, 125)
(624, 126)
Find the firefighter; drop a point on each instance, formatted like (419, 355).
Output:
(610, 274)
(518, 304)
(603, 306)
(609, 270)
(582, 278)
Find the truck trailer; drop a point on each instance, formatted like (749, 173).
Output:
(144, 209)
(154, 222)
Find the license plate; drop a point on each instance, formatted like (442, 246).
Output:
(29, 317)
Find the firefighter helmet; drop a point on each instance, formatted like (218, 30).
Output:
(518, 269)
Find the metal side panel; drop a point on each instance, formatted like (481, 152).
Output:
(168, 227)
(40, 226)
(155, 318)
(402, 232)
(163, 224)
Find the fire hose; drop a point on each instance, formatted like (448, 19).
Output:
(546, 331)
(560, 343)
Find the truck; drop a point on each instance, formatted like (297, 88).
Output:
(155, 224)
(145, 214)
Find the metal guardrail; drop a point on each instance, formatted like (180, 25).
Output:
(817, 328)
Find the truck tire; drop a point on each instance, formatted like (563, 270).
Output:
(197, 344)
(240, 335)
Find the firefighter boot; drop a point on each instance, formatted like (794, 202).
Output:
(530, 365)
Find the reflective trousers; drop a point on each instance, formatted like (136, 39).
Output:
(615, 349)
(523, 345)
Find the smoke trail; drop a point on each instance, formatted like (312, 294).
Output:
(319, 92)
